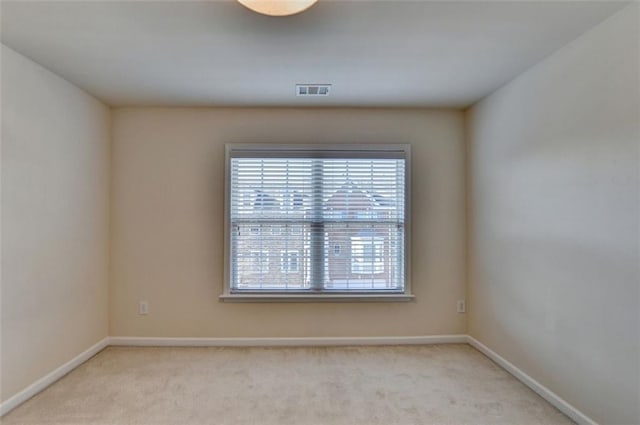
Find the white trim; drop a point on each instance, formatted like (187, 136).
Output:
(536, 386)
(42, 383)
(291, 342)
(275, 150)
(324, 297)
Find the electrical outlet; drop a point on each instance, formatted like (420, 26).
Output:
(461, 306)
(143, 307)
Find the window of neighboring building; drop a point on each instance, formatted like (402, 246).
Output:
(289, 262)
(260, 261)
(367, 255)
(347, 200)
(296, 230)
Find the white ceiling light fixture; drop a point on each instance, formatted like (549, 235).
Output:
(278, 7)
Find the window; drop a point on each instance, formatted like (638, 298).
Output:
(260, 261)
(289, 262)
(344, 209)
(367, 255)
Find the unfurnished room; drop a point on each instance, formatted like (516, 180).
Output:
(320, 212)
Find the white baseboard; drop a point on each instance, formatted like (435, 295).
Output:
(536, 386)
(280, 342)
(42, 383)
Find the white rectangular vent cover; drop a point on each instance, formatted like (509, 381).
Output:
(313, 89)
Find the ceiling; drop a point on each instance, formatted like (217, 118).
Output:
(214, 53)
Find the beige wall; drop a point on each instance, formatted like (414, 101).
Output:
(554, 230)
(55, 186)
(168, 167)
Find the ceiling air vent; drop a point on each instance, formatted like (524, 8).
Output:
(312, 89)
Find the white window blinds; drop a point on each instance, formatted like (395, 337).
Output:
(317, 220)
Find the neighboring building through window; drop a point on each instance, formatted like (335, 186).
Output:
(336, 218)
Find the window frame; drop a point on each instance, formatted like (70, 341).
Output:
(268, 150)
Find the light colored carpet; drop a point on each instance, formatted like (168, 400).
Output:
(435, 384)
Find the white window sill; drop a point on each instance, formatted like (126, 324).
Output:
(324, 297)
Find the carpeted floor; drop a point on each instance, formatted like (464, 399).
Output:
(435, 384)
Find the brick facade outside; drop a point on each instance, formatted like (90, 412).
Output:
(276, 254)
